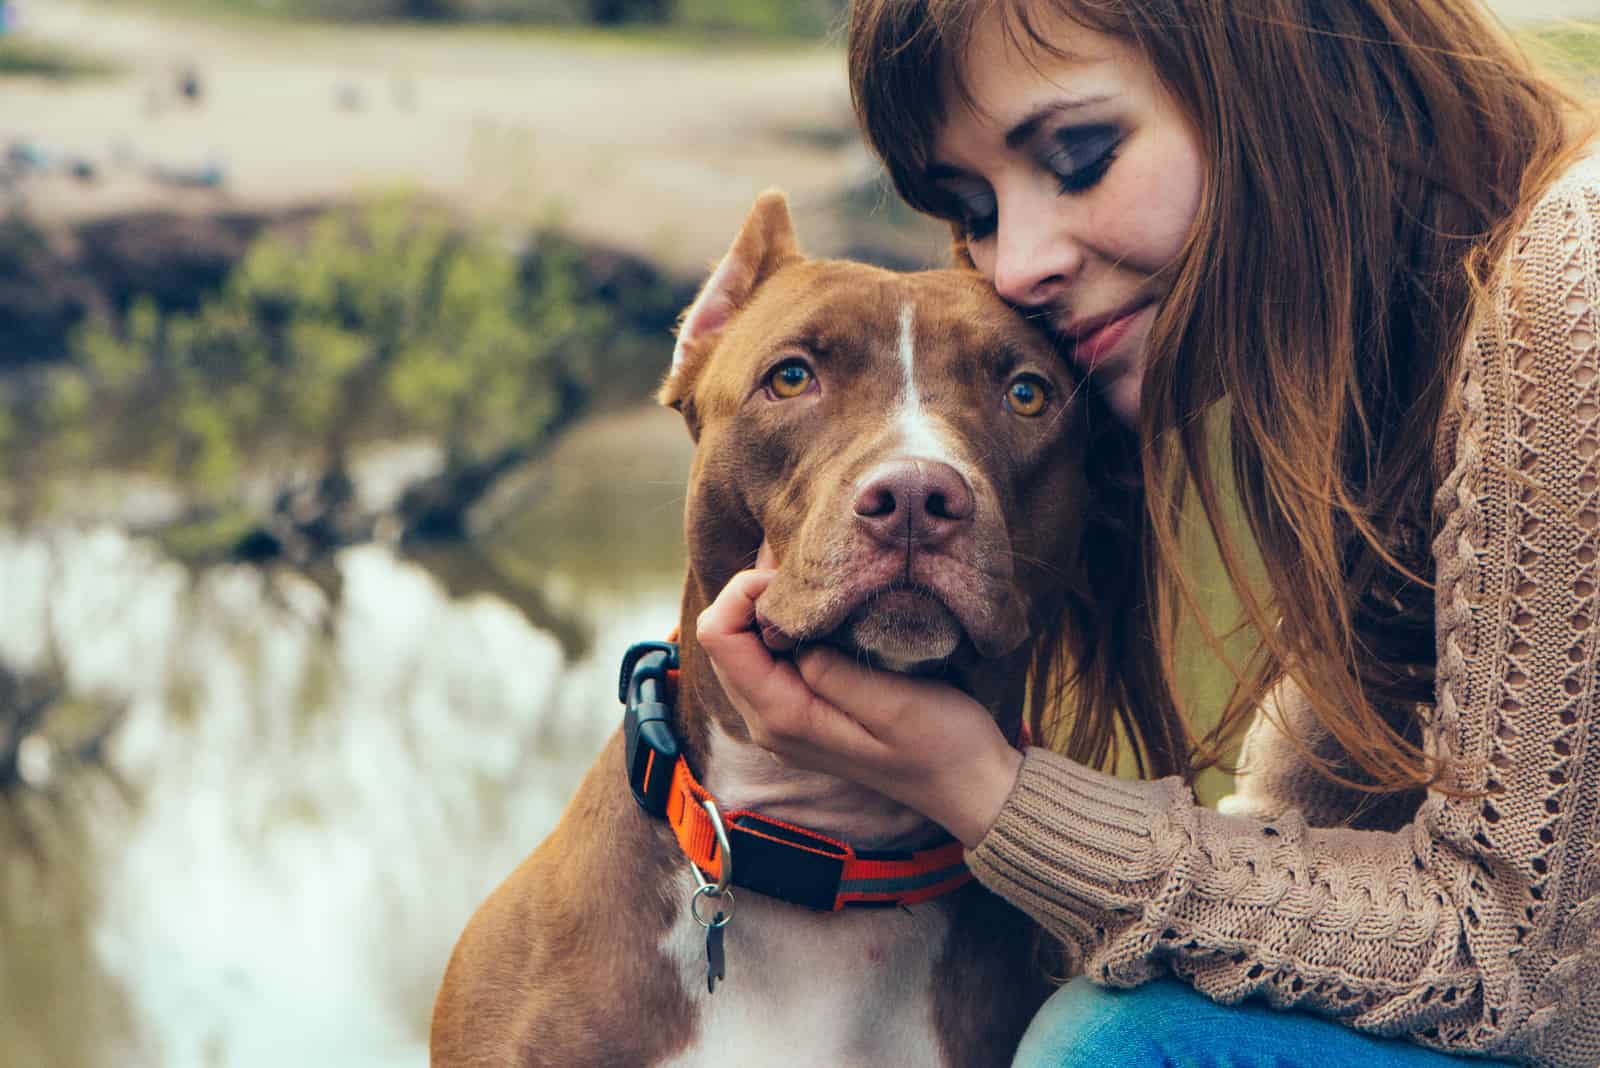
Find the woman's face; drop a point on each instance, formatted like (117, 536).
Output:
(1076, 180)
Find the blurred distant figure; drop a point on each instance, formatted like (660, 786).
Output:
(10, 16)
(190, 88)
(208, 175)
(27, 157)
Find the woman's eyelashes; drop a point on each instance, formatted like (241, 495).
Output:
(976, 214)
(1079, 156)
(1076, 156)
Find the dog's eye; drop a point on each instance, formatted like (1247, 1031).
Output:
(789, 379)
(1027, 394)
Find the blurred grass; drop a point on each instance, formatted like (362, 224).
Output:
(24, 58)
(1571, 48)
(760, 18)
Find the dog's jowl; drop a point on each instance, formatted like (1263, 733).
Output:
(906, 445)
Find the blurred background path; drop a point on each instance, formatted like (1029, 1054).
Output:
(657, 149)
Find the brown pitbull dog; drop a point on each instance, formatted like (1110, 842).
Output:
(906, 444)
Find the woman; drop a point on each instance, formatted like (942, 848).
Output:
(1373, 233)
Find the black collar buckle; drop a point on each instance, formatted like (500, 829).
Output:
(652, 748)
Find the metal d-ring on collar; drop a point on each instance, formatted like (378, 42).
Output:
(720, 889)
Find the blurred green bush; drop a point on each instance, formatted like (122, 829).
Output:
(21, 57)
(1571, 50)
(384, 322)
(379, 323)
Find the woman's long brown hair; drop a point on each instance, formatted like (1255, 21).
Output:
(1368, 161)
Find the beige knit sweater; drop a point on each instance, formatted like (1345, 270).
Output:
(1469, 925)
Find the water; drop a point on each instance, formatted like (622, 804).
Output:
(308, 795)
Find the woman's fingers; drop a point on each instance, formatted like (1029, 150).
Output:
(927, 745)
(749, 674)
(783, 713)
(735, 607)
(772, 635)
(767, 692)
(874, 699)
(933, 747)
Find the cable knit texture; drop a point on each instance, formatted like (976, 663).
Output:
(1465, 924)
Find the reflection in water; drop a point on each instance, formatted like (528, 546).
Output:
(321, 793)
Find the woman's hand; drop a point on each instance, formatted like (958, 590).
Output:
(928, 746)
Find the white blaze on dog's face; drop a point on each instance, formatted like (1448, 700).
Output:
(905, 442)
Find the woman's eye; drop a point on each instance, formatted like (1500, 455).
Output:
(1027, 395)
(973, 211)
(978, 219)
(1081, 156)
(789, 379)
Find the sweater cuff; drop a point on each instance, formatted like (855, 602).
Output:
(1077, 849)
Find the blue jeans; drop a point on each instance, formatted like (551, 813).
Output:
(1168, 1024)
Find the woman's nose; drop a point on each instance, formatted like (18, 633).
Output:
(1035, 257)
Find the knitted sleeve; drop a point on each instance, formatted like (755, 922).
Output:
(1476, 926)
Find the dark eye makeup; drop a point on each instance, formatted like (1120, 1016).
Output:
(1078, 157)
(975, 212)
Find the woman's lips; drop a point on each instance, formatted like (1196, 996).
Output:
(1091, 347)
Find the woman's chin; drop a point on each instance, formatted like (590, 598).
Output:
(1122, 396)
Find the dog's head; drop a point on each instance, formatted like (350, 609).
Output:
(905, 442)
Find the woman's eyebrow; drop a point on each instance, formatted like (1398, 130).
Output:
(1023, 131)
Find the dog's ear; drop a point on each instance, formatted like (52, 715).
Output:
(765, 243)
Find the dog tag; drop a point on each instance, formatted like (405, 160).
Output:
(716, 960)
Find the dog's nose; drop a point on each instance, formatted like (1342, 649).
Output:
(920, 502)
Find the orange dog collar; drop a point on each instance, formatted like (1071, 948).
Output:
(772, 857)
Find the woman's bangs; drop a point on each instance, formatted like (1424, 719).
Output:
(900, 70)
(906, 61)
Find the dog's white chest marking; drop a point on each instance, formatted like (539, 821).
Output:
(853, 988)
(846, 990)
(922, 435)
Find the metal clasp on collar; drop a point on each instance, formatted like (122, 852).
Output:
(721, 896)
(652, 748)
(725, 850)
